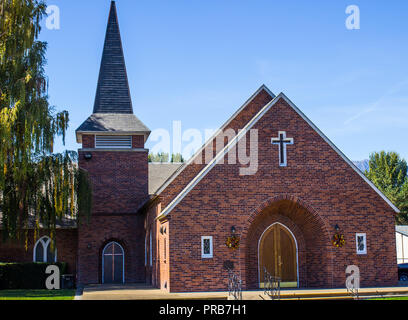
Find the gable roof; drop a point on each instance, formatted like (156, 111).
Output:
(242, 133)
(159, 173)
(211, 139)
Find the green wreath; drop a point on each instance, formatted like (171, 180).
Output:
(338, 240)
(232, 242)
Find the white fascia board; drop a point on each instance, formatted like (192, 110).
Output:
(178, 171)
(242, 133)
(217, 158)
(341, 154)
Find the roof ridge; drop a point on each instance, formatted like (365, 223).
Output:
(199, 151)
(180, 196)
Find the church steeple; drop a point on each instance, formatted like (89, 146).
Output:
(113, 111)
(113, 94)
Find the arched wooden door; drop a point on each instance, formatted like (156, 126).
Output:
(278, 254)
(113, 263)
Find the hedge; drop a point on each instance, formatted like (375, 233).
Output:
(29, 275)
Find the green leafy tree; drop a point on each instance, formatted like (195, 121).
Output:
(164, 157)
(177, 158)
(36, 186)
(158, 157)
(389, 174)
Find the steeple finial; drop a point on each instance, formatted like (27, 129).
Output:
(113, 94)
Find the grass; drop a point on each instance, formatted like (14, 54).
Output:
(390, 298)
(37, 294)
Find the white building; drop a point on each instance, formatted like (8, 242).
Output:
(401, 234)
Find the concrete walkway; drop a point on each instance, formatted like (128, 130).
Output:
(143, 292)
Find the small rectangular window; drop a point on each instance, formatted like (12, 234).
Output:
(361, 243)
(115, 142)
(206, 247)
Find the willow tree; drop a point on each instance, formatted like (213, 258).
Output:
(37, 187)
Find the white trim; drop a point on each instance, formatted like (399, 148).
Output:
(341, 154)
(365, 243)
(276, 141)
(151, 248)
(297, 252)
(45, 242)
(243, 132)
(178, 171)
(123, 261)
(145, 250)
(215, 160)
(207, 255)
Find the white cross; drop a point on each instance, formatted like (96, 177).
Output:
(282, 141)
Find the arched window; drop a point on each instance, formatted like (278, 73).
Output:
(42, 251)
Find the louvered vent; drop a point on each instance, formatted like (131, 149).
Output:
(117, 142)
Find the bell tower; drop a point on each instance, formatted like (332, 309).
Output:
(113, 154)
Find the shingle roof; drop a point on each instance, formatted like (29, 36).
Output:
(159, 173)
(113, 94)
(113, 110)
(115, 122)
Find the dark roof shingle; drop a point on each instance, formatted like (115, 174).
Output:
(113, 94)
(159, 173)
(115, 122)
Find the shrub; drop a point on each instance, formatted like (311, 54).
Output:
(26, 275)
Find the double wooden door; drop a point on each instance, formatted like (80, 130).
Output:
(277, 253)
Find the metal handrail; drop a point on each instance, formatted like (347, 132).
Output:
(272, 285)
(234, 285)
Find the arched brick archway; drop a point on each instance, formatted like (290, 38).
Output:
(315, 257)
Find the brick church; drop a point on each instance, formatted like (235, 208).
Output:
(180, 226)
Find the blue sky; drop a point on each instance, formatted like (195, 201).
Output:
(198, 61)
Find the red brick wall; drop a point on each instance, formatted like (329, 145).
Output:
(120, 187)
(323, 190)
(119, 180)
(127, 230)
(137, 142)
(158, 274)
(250, 110)
(66, 243)
(88, 141)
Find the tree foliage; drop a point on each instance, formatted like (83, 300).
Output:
(36, 186)
(164, 157)
(389, 174)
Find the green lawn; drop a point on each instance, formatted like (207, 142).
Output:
(391, 298)
(37, 294)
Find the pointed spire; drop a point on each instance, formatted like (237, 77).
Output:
(113, 94)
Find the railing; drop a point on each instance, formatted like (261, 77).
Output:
(234, 285)
(353, 292)
(271, 285)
